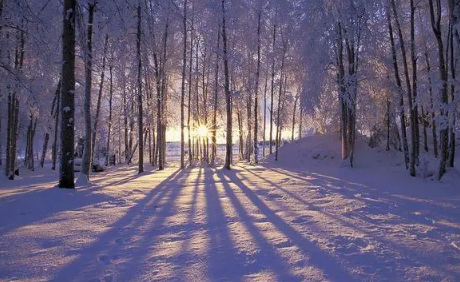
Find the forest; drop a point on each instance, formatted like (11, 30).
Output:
(229, 140)
(123, 78)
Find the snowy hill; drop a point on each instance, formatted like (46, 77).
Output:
(323, 151)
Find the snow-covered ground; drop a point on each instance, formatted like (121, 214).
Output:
(304, 218)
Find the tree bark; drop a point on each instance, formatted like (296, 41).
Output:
(435, 17)
(265, 117)
(228, 98)
(402, 115)
(87, 149)
(272, 89)
(56, 124)
(454, 7)
(256, 100)
(109, 125)
(293, 116)
(453, 112)
(140, 118)
(216, 92)
(66, 178)
(182, 97)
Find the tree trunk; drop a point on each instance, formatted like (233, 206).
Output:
(228, 98)
(454, 7)
(453, 112)
(416, 132)
(425, 134)
(300, 123)
(87, 149)
(280, 99)
(54, 111)
(14, 135)
(293, 117)
(409, 89)
(216, 91)
(432, 108)
(140, 118)
(189, 112)
(56, 124)
(388, 123)
(264, 138)
(401, 93)
(8, 136)
(45, 148)
(66, 179)
(109, 129)
(435, 17)
(182, 97)
(342, 92)
(99, 96)
(256, 101)
(272, 90)
(125, 123)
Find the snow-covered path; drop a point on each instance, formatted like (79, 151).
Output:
(254, 223)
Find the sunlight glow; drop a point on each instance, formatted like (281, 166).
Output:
(202, 131)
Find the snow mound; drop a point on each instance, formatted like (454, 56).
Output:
(451, 177)
(325, 150)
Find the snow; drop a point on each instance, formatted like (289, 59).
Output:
(302, 219)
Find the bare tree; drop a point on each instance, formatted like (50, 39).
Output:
(87, 149)
(435, 16)
(228, 98)
(256, 99)
(182, 101)
(140, 118)
(66, 175)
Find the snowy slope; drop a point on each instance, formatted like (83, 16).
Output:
(301, 219)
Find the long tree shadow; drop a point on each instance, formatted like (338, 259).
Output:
(378, 204)
(24, 209)
(321, 260)
(380, 201)
(108, 246)
(223, 262)
(266, 256)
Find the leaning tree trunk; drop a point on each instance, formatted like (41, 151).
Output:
(56, 124)
(401, 93)
(66, 179)
(99, 97)
(413, 118)
(48, 130)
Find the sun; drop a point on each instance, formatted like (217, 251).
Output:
(202, 131)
